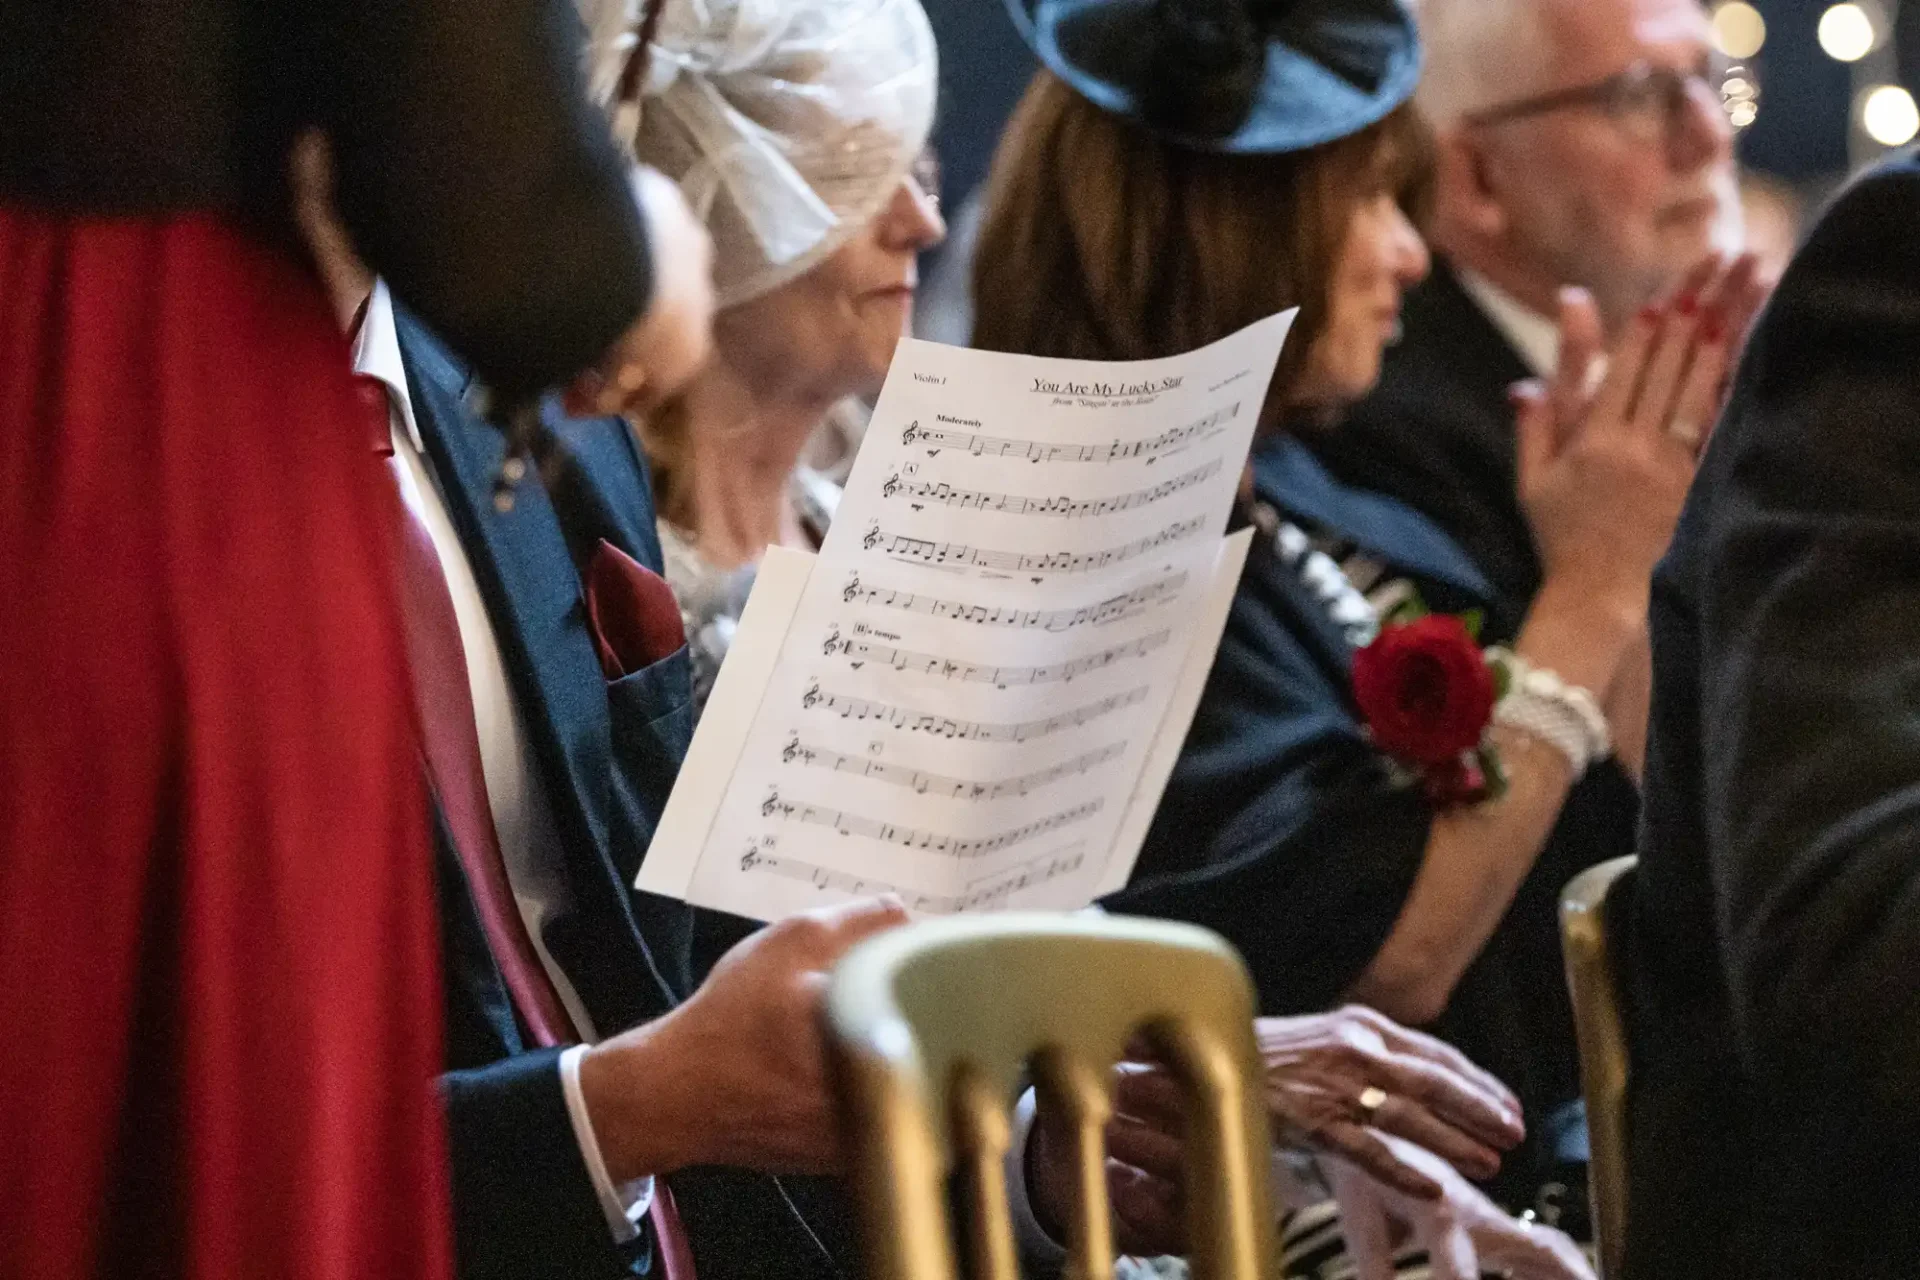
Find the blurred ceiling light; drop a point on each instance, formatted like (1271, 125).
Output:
(1847, 32)
(1889, 115)
(1738, 29)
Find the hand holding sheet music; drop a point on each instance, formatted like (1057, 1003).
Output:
(972, 696)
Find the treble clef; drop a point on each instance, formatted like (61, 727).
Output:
(833, 644)
(872, 539)
(750, 859)
(911, 434)
(853, 589)
(891, 487)
(793, 750)
(811, 696)
(771, 803)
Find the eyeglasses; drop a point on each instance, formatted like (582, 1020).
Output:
(1649, 102)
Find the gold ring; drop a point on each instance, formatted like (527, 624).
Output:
(1372, 1098)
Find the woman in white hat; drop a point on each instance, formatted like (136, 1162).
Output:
(797, 130)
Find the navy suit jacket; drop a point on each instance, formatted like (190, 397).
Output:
(1776, 925)
(607, 752)
(1282, 829)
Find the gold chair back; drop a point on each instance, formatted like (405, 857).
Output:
(1587, 930)
(933, 1027)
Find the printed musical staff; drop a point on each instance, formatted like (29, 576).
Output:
(935, 439)
(923, 783)
(971, 690)
(984, 893)
(939, 726)
(952, 846)
(860, 652)
(944, 494)
(927, 551)
(1112, 609)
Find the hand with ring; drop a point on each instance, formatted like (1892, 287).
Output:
(1341, 1082)
(1604, 472)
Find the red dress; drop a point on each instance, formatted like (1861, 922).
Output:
(220, 1004)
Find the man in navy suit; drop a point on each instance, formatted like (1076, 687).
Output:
(1775, 943)
(550, 1145)
(580, 730)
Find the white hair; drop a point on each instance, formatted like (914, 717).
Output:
(1480, 53)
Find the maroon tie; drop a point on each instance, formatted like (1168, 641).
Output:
(451, 743)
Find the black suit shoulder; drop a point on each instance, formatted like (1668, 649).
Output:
(1777, 930)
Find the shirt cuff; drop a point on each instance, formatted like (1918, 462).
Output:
(624, 1205)
(1033, 1241)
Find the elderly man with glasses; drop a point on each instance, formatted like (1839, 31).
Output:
(1580, 144)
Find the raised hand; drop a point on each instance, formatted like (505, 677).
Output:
(1604, 472)
(737, 1075)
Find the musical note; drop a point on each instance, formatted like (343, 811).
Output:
(1113, 609)
(927, 551)
(860, 652)
(984, 893)
(938, 726)
(959, 696)
(1040, 451)
(952, 846)
(935, 784)
(1066, 508)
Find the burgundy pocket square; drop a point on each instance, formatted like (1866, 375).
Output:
(632, 613)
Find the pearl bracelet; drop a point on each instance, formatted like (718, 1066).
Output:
(1543, 706)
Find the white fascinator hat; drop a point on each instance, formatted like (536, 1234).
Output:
(788, 124)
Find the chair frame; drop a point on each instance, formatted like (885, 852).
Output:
(1587, 930)
(933, 1028)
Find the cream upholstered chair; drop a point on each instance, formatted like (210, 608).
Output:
(1589, 924)
(933, 1027)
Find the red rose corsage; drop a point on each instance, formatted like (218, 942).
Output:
(1426, 693)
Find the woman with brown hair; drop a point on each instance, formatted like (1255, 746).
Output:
(1355, 808)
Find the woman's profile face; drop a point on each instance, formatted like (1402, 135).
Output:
(831, 332)
(1381, 258)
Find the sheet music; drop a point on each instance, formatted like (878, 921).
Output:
(959, 698)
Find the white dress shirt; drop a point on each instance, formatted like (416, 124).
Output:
(522, 816)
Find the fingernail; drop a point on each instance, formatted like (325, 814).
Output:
(1688, 304)
(1713, 326)
(1650, 314)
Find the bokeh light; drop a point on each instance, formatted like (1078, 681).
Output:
(1738, 29)
(1846, 32)
(1889, 115)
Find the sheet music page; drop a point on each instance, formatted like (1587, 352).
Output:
(967, 688)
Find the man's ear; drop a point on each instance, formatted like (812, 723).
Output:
(1467, 192)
